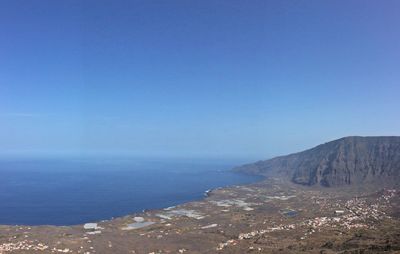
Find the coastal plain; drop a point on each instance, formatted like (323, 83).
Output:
(270, 216)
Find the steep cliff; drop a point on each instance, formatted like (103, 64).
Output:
(350, 160)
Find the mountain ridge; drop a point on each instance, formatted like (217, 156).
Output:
(345, 161)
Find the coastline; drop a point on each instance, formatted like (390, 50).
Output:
(35, 195)
(228, 220)
(202, 195)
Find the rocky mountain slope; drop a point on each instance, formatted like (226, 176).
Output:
(349, 160)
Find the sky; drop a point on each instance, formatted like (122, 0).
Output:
(249, 79)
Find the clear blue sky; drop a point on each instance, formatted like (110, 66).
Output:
(248, 79)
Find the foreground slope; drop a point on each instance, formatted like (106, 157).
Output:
(349, 160)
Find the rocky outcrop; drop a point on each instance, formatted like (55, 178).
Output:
(350, 160)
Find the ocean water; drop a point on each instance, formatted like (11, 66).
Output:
(74, 191)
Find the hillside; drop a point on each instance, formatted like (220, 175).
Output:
(349, 160)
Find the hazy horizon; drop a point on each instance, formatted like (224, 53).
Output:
(203, 79)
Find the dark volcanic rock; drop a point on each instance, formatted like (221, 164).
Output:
(350, 160)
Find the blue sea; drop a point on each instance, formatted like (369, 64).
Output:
(75, 191)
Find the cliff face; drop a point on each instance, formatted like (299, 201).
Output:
(350, 160)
